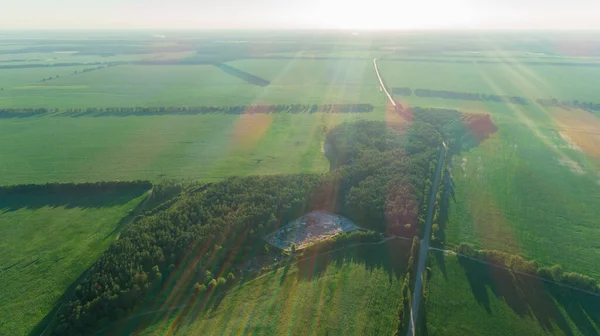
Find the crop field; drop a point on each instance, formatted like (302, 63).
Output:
(526, 190)
(317, 296)
(47, 241)
(291, 81)
(207, 147)
(463, 291)
(519, 79)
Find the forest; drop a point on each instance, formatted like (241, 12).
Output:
(199, 241)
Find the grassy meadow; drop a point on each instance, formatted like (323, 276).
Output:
(313, 297)
(207, 147)
(291, 81)
(466, 297)
(47, 241)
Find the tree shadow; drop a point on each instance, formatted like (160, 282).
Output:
(391, 256)
(85, 195)
(525, 295)
(49, 319)
(243, 75)
(21, 115)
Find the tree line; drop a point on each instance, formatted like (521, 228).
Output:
(188, 110)
(191, 245)
(553, 102)
(457, 95)
(520, 264)
(74, 188)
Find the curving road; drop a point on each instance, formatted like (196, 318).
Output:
(381, 83)
(418, 290)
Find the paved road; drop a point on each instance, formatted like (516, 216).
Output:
(381, 83)
(418, 290)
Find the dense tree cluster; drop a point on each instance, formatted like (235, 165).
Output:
(383, 176)
(520, 264)
(210, 230)
(553, 102)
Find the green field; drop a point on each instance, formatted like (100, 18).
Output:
(531, 81)
(207, 147)
(47, 241)
(525, 190)
(470, 298)
(292, 81)
(353, 292)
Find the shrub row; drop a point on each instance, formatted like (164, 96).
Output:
(553, 102)
(520, 264)
(457, 95)
(73, 188)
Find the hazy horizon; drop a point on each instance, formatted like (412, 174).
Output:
(309, 14)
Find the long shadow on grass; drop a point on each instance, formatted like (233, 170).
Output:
(243, 75)
(531, 297)
(44, 324)
(69, 195)
(391, 256)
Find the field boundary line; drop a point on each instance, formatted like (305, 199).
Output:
(381, 82)
(513, 270)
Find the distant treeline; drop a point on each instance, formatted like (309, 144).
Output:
(590, 106)
(406, 91)
(520, 264)
(55, 65)
(187, 110)
(479, 61)
(21, 112)
(246, 76)
(73, 188)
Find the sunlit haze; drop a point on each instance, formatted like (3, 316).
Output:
(296, 14)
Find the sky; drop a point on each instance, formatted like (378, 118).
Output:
(300, 14)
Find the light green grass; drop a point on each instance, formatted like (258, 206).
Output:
(292, 81)
(472, 299)
(47, 242)
(207, 147)
(356, 293)
(531, 81)
(513, 194)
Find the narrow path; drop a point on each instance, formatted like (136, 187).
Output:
(381, 83)
(514, 271)
(418, 290)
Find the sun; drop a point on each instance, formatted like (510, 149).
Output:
(398, 14)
